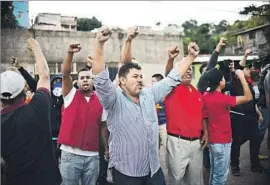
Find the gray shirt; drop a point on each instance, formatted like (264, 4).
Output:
(133, 140)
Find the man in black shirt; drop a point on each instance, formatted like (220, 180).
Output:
(244, 127)
(25, 128)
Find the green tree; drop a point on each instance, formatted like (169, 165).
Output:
(8, 20)
(86, 24)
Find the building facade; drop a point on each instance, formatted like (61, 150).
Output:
(55, 22)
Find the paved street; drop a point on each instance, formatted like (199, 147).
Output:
(247, 177)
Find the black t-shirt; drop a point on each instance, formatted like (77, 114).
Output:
(247, 108)
(27, 142)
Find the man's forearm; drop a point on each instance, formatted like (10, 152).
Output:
(67, 65)
(169, 66)
(98, 63)
(246, 89)
(29, 79)
(126, 52)
(213, 61)
(184, 65)
(105, 135)
(243, 61)
(42, 66)
(205, 126)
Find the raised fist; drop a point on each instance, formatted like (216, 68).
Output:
(193, 49)
(32, 43)
(74, 48)
(15, 62)
(239, 73)
(173, 52)
(103, 35)
(89, 61)
(248, 52)
(222, 41)
(132, 33)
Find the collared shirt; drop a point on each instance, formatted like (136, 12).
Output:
(133, 141)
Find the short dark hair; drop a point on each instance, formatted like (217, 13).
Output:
(124, 70)
(83, 69)
(202, 66)
(158, 76)
(21, 96)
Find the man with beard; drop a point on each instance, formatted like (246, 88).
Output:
(132, 119)
(83, 119)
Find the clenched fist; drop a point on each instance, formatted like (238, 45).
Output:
(248, 52)
(103, 35)
(240, 74)
(74, 48)
(193, 49)
(32, 43)
(173, 52)
(15, 62)
(132, 33)
(222, 41)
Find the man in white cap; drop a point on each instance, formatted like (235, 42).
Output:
(25, 128)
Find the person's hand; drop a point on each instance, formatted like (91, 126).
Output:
(240, 74)
(103, 35)
(222, 42)
(173, 52)
(74, 48)
(132, 33)
(15, 62)
(204, 140)
(106, 155)
(89, 61)
(193, 49)
(248, 52)
(260, 120)
(32, 44)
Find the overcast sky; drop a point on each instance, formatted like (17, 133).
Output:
(145, 13)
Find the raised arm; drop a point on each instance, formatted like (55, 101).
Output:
(42, 66)
(247, 94)
(173, 53)
(244, 59)
(214, 57)
(67, 83)
(105, 88)
(165, 86)
(126, 52)
(32, 83)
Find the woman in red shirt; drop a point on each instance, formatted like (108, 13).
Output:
(217, 112)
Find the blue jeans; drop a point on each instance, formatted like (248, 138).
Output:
(264, 125)
(76, 168)
(219, 161)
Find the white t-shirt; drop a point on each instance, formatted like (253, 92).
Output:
(67, 101)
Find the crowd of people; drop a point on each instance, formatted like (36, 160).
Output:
(70, 132)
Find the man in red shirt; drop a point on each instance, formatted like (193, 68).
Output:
(217, 113)
(183, 108)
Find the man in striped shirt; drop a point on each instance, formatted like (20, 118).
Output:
(132, 118)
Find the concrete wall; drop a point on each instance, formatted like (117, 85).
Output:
(149, 50)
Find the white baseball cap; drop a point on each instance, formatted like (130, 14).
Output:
(12, 84)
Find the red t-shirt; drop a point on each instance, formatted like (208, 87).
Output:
(217, 110)
(184, 111)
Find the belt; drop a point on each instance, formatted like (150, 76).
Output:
(183, 137)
